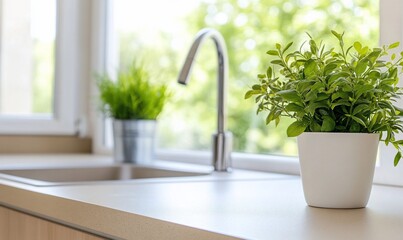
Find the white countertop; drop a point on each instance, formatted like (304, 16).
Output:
(244, 205)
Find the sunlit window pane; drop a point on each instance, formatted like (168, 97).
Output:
(27, 57)
(161, 32)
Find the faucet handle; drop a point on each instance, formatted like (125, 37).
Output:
(222, 148)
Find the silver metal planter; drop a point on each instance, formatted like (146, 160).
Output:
(134, 141)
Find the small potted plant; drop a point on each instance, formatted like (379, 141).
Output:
(134, 102)
(343, 102)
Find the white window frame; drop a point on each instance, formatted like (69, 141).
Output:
(70, 69)
(101, 58)
(391, 30)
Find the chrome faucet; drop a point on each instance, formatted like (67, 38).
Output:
(222, 140)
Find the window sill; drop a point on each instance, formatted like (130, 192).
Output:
(30, 144)
(247, 161)
(386, 175)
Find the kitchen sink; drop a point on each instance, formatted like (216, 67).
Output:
(94, 174)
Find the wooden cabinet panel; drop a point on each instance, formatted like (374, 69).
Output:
(15, 225)
(3, 223)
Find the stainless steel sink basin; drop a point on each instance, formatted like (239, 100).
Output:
(87, 175)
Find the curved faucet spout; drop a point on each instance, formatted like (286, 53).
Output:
(222, 140)
(222, 70)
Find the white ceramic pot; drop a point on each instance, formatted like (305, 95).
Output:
(337, 169)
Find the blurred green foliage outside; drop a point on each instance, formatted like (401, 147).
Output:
(250, 28)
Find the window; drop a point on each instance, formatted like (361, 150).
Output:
(250, 27)
(391, 31)
(27, 41)
(38, 66)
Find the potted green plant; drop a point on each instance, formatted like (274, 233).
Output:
(343, 102)
(134, 102)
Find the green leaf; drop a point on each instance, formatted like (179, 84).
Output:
(329, 68)
(296, 128)
(340, 103)
(361, 89)
(393, 72)
(342, 95)
(277, 62)
(364, 51)
(373, 56)
(358, 120)
(270, 117)
(287, 47)
(361, 67)
(292, 107)
(250, 93)
(310, 68)
(355, 127)
(308, 55)
(314, 126)
(386, 104)
(289, 95)
(336, 34)
(348, 49)
(313, 106)
(269, 72)
(374, 120)
(337, 76)
(322, 96)
(386, 88)
(273, 52)
(340, 128)
(328, 124)
(311, 95)
(399, 111)
(360, 108)
(261, 75)
(399, 142)
(394, 45)
(398, 156)
(347, 88)
(323, 112)
(278, 46)
(257, 87)
(374, 75)
(304, 85)
(258, 98)
(277, 121)
(317, 86)
(357, 46)
(313, 46)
